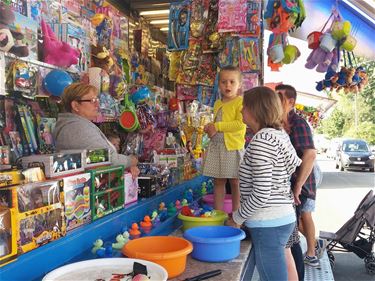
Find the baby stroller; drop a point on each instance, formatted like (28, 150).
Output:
(357, 235)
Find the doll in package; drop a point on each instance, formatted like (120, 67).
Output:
(179, 22)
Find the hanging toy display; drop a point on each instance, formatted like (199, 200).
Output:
(281, 17)
(22, 77)
(179, 23)
(128, 118)
(249, 58)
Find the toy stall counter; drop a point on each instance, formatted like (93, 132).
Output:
(8, 236)
(98, 157)
(131, 188)
(107, 191)
(57, 164)
(75, 195)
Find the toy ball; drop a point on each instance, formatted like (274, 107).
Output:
(141, 94)
(56, 81)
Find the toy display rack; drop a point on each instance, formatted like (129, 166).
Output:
(36, 263)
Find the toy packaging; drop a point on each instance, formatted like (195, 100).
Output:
(39, 213)
(8, 236)
(232, 15)
(107, 191)
(179, 22)
(147, 186)
(97, 157)
(249, 55)
(254, 10)
(75, 192)
(11, 177)
(29, 29)
(76, 37)
(57, 164)
(131, 189)
(45, 129)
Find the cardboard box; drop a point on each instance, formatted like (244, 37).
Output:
(131, 189)
(75, 195)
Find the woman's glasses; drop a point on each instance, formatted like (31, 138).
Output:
(93, 100)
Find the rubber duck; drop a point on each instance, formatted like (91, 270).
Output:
(186, 211)
(204, 188)
(97, 245)
(172, 210)
(178, 204)
(134, 231)
(126, 236)
(146, 224)
(184, 202)
(161, 206)
(107, 252)
(120, 242)
(154, 215)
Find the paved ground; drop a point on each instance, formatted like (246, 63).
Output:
(337, 199)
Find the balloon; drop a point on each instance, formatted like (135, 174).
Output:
(56, 81)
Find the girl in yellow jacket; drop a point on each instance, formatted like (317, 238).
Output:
(227, 135)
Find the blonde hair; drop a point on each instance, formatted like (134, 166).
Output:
(75, 92)
(231, 68)
(265, 106)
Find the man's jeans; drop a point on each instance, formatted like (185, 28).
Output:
(268, 252)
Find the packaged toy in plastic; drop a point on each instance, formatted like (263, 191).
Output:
(232, 15)
(179, 22)
(249, 55)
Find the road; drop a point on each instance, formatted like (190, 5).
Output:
(337, 199)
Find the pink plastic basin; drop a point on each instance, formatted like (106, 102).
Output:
(209, 199)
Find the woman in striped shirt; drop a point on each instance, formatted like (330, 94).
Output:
(266, 205)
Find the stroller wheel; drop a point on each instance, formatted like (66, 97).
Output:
(331, 258)
(370, 263)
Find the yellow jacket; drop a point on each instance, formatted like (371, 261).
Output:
(231, 124)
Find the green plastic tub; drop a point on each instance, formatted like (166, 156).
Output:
(190, 222)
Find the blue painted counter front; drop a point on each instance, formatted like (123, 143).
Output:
(75, 246)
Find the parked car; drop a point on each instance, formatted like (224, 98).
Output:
(355, 154)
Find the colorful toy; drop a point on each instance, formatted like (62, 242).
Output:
(134, 231)
(107, 191)
(107, 252)
(146, 224)
(249, 55)
(178, 204)
(57, 164)
(131, 189)
(56, 81)
(232, 15)
(76, 197)
(98, 244)
(120, 242)
(186, 211)
(172, 210)
(101, 58)
(184, 202)
(179, 23)
(10, 38)
(57, 52)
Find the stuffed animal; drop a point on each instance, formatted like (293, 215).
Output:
(57, 52)
(10, 38)
(101, 57)
(322, 59)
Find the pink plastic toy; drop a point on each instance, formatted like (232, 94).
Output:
(57, 52)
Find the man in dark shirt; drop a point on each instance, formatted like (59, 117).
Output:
(303, 181)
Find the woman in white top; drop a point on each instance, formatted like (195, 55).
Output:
(266, 206)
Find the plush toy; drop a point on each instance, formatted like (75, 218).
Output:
(101, 57)
(322, 59)
(57, 52)
(10, 38)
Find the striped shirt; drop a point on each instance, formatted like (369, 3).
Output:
(265, 172)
